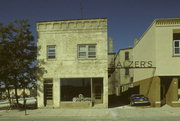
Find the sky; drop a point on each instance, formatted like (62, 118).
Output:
(127, 19)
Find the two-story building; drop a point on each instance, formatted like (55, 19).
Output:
(76, 60)
(157, 56)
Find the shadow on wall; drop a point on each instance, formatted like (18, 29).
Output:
(123, 99)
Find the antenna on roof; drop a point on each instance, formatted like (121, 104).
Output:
(81, 7)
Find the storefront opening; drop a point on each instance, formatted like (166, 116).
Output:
(75, 89)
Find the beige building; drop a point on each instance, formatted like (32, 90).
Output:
(156, 71)
(123, 71)
(76, 60)
(119, 72)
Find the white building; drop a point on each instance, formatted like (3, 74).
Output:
(75, 55)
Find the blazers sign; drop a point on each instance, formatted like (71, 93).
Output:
(135, 64)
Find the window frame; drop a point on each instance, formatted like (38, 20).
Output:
(87, 51)
(48, 53)
(176, 54)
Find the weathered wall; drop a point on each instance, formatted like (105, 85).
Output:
(66, 35)
(124, 79)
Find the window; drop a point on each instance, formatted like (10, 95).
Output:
(51, 51)
(86, 51)
(126, 71)
(176, 47)
(176, 43)
(126, 55)
(75, 89)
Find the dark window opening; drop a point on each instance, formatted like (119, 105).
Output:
(126, 71)
(176, 36)
(131, 80)
(126, 55)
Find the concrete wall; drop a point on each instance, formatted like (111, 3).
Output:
(172, 93)
(66, 35)
(151, 88)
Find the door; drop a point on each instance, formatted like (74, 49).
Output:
(97, 90)
(48, 92)
(98, 94)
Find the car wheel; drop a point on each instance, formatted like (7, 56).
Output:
(132, 103)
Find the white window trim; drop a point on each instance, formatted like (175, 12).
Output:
(86, 50)
(176, 47)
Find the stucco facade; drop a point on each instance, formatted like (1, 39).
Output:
(159, 48)
(67, 36)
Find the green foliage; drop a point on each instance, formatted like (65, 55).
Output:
(18, 55)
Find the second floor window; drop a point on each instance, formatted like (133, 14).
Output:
(87, 51)
(176, 41)
(126, 55)
(51, 51)
(176, 47)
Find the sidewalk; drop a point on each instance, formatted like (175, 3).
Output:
(125, 111)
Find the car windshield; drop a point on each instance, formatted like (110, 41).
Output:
(137, 95)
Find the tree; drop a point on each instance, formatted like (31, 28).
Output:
(18, 56)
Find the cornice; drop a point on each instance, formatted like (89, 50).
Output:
(72, 25)
(166, 22)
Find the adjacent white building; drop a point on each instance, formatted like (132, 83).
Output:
(157, 53)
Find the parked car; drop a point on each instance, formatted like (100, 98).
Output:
(138, 99)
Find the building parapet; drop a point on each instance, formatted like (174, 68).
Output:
(73, 25)
(165, 22)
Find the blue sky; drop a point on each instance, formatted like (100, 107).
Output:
(127, 19)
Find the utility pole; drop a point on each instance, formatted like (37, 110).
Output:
(81, 8)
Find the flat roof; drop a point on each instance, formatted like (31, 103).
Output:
(71, 19)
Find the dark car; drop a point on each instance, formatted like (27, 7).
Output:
(138, 99)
